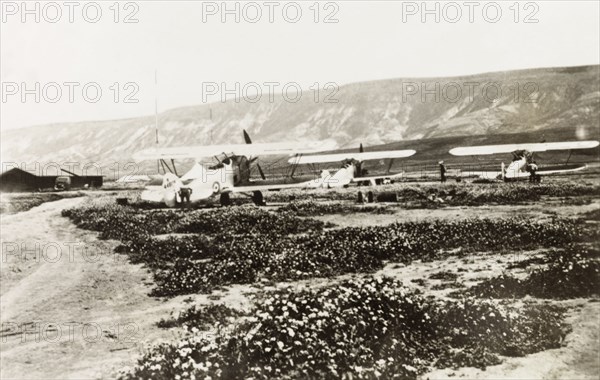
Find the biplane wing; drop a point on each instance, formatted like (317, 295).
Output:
(378, 177)
(260, 149)
(479, 174)
(550, 171)
(519, 174)
(358, 156)
(270, 187)
(509, 148)
(561, 169)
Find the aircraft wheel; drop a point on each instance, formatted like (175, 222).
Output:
(225, 199)
(216, 188)
(257, 198)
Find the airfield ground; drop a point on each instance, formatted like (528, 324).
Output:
(125, 288)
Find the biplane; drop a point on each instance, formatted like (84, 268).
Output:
(523, 164)
(352, 167)
(231, 171)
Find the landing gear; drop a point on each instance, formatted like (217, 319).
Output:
(257, 198)
(225, 199)
(370, 197)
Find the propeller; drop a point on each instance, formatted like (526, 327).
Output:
(247, 137)
(248, 140)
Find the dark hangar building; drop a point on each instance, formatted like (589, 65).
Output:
(19, 180)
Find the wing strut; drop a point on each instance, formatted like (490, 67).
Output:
(248, 140)
(174, 168)
(390, 166)
(163, 163)
(295, 166)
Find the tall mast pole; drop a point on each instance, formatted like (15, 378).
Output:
(156, 114)
(156, 104)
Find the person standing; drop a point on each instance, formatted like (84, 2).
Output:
(442, 171)
(532, 172)
(184, 194)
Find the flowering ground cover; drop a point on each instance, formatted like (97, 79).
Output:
(122, 222)
(245, 244)
(363, 328)
(453, 194)
(314, 208)
(128, 223)
(478, 195)
(360, 328)
(570, 273)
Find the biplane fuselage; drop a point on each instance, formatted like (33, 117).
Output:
(202, 182)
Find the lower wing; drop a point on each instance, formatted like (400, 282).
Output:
(558, 170)
(522, 174)
(273, 187)
(480, 174)
(373, 178)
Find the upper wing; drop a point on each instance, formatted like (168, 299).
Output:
(261, 149)
(508, 148)
(335, 157)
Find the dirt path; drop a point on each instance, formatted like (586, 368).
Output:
(71, 308)
(25, 236)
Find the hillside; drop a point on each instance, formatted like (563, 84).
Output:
(371, 112)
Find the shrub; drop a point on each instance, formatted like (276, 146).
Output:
(569, 273)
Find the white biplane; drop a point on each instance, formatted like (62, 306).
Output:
(352, 170)
(231, 173)
(523, 165)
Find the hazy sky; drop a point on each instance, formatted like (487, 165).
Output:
(189, 44)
